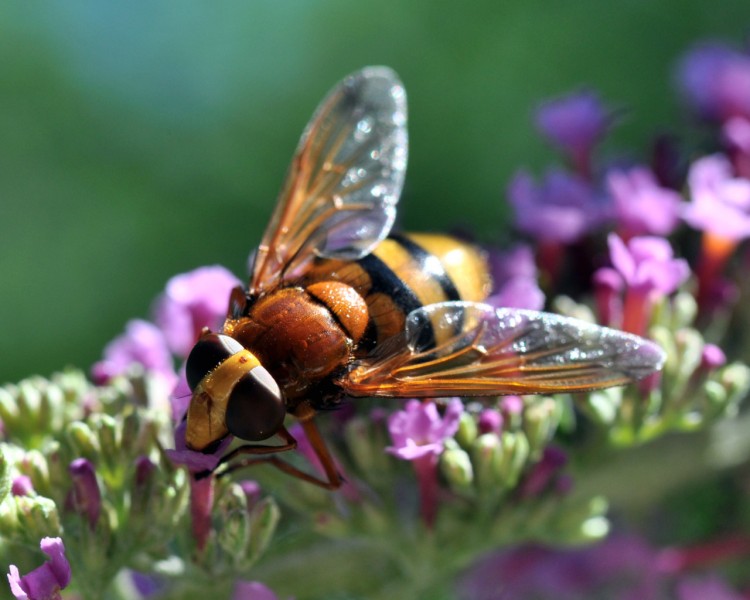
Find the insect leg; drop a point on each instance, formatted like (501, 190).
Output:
(331, 482)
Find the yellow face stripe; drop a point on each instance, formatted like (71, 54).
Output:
(208, 406)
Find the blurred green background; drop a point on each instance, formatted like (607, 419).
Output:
(142, 139)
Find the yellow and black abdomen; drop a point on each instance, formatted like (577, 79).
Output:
(406, 272)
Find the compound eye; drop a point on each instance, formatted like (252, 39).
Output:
(211, 350)
(256, 408)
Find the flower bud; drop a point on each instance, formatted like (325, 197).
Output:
(85, 442)
(541, 419)
(455, 465)
(110, 440)
(5, 476)
(22, 486)
(233, 526)
(264, 517)
(515, 453)
(736, 379)
(143, 487)
(467, 430)
(684, 310)
(486, 455)
(689, 346)
(365, 440)
(490, 421)
(36, 467)
(35, 517)
(603, 405)
(85, 497)
(584, 521)
(9, 409)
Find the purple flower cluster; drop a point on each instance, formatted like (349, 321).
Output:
(190, 302)
(620, 568)
(573, 206)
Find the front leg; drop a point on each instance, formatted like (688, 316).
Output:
(231, 463)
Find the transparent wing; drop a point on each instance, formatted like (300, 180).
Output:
(465, 349)
(339, 198)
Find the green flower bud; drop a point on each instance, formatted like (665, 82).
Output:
(264, 518)
(487, 455)
(84, 440)
(365, 441)
(664, 337)
(110, 440)
(604, 405)
(35, 465)
(9, 409)
(736, 380)
(540, 422)
(689, 346)
(516, 451)
(5, 482)
(565, 305)
(716, 398)
(684, 311)
(467, 430)
(455, 465)
(37, 517)
(233, 523)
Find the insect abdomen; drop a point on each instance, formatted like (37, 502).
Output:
(406, 272)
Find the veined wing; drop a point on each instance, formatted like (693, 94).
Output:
(471, 349)
(339, 198)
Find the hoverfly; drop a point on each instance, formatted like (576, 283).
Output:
(338, 306)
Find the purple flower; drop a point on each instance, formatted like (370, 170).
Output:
(252, 491)
(514, 275)
(706, 588)
(490, 421)
(147, 585)
(419, 430)
(712, 357)
(192, 301)
(650, 271)
(543, 473)
(252, 590)
(648, 264)
(419, 433)
(85, 497)
(608, 287)
(641, 205)
(45, 582)
(511, 405)
(142, 343)
(736, 134)
(616, 568)
(563, 209)
(22, 486)
(720, 202)
(576, 123)
(196, 462)
(716, 81)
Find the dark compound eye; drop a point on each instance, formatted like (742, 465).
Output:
(210, 351)
(256, 408)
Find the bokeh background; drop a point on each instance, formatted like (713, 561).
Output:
(142, 139)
